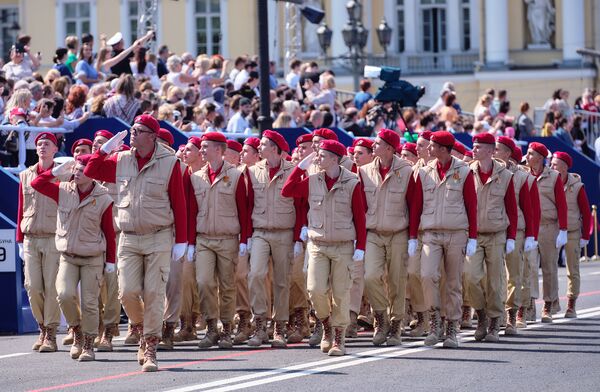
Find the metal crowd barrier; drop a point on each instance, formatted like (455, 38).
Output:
(590, 125)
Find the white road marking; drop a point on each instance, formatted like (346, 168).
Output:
(354, 359)
(13, 355)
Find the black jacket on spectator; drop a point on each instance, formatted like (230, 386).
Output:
(122, 66)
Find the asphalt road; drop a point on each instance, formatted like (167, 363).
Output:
(561, 356)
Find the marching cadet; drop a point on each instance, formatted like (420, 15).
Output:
(449, 224)
(273, 221)
(36, 227)
(363, 151)
(249, 155)
(394, 204)
(151, 204)
(496, 232)
(553, 222)
(579, 221)
(524, 240)
(85, 238)
(100, 137)
(217, 233)
(304, 143)
(233, 152)
(409, 153)
(81, 147)
(336, 218)
(327, 134)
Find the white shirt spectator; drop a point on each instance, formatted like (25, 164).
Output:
(241, 78)
(292, 79)
(237, 123)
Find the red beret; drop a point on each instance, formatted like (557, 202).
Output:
(508, 142)
(80, 142)
(103, 133)
(214, 137)
(84, 159)
(48, 136)
(390, 137)
(276, 138)
(235, 146)
(539, 148)
(425, 135)
(325, 133)
(469, 154)
(410, 147)
(333, 146)
(305, 138)
(196, 141)
(443, 138)
(148, 121)
(484, 138)
(350, 150)
(563, 156)
(17, 111)
(517, 154)
(253, 142)
(166, 135)
(459, 148)
(363, 142)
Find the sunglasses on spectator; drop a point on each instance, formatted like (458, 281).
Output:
(138, 131)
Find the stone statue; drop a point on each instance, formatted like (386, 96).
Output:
(540, 15)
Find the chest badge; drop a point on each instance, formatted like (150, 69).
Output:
(456, 176)
(94, 202)
(226, 180)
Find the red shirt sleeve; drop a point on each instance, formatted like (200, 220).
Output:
(241, 201)
(414, 200)
(102, 167)
(192, 209)
(359, 215)
(43, 184)
(535, 209)
(299, 220)
(470, 198)
(525, 206)
(250, 192)
(510, 204)
(295, 186)
(108, 229)
(586, 216)
(561, 203)
(20, 215)
(177, 199)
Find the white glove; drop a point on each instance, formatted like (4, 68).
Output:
(471, 247)
(114, 142)
(109, 268)
(21, 251)
(412, 247)
(64, 168)
(304, 233)
(305, 265)
(530, 244)
(359, 255)
(243, 250)
(510, 246)
(249, 245)
(298, 249)
(583, 243)
(178, 251)
(191, 249)
(561, 239)
(307, 161)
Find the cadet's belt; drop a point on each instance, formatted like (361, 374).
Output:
(149, 233)
(44, 235)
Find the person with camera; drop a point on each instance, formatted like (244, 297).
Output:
(18, 67)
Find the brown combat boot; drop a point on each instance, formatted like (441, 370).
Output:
(88, 349)
(435, 328)
(298, 333)
(521, 321)
(150, 362)
(133, 336)
(78, 341)
(68, 339)
(382, 328)
(101, 328)
(212, 335)
(547, 312)
(394, 338)
(166, 343)
(419, 328)
(279, 335)
(466, 321)
(511, 322)
(179, 335)
(40, 340)
(327, 339)
(338, 347)
(105, 344)
(555, 306)
(493, 334)
(352, 329)
(225, 336)
(317, 335)
(451, 340)
(571, 312)
(482, 325)
(49, 344)
(260, 333)
(138, 329)
(244, 329)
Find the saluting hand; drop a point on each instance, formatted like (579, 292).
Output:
(114, 142)
(63, 169)
(307, 161)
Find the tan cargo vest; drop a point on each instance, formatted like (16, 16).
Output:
(143, 199)
(345, 162)
(386, 198)
(519, 178)
(545, 183)
(491, 212)
(271, 210)
(330, 216)
(217, 209)
(112, 192)
(443, 202)
(39, 211)
(78, 230)
(572, 188)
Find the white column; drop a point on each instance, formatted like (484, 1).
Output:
(496, 32)
(573, 32)
(190, 27)
(453, 25)
(411, 16)
(339, 17)
(474, 21)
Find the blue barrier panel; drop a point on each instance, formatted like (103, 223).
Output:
(465, 139)
(178, 136)
(291, 134)
(9, 196)
(88, 128)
